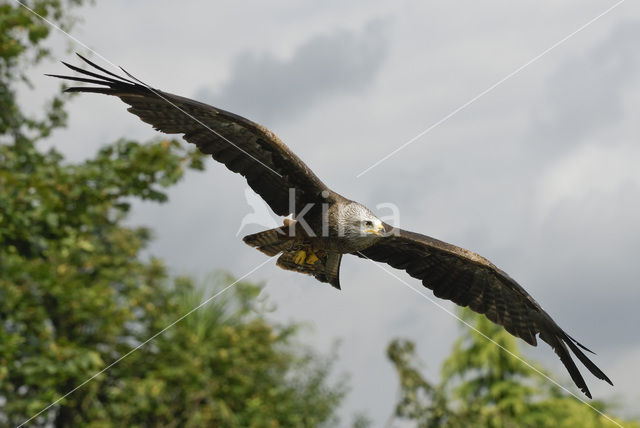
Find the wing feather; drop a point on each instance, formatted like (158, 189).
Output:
(244, 147)
(468, 279)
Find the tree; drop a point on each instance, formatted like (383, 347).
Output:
(75, 295)
(484, 386)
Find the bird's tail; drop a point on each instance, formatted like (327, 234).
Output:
(270, 242)
(324, 266)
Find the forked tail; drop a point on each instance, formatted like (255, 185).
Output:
(270, 242)
(297, 256)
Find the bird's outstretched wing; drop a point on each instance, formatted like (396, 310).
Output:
(468, 279)
(245, 147)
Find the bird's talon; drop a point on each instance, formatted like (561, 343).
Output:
(311, 258)
(300, 257)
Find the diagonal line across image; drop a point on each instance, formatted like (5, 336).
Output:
(154, 91)
(440, 306)
(489, 89)
(376, 244)
(204, 303)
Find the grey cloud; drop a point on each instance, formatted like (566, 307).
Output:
(267, 88)
(586, 92)
(588, 252)
(469, 184)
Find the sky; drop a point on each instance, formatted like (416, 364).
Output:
(539, 173)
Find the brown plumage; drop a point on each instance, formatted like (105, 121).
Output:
(469, 279)
(272, 170)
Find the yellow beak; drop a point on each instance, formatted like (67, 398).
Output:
(377, 231)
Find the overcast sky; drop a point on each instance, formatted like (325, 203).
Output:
(541, 175)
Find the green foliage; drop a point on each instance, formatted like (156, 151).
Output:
(75, 295)
(22, 35)
(483, 385)
(417, 397)
(224, 365)
(495, 386)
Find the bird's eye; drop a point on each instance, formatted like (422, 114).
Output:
(368, 223)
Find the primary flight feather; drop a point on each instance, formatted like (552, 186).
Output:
(326, 225)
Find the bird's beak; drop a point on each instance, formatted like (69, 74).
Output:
(378, 231)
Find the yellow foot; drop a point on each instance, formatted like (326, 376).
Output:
(311, 258)
(300, 257)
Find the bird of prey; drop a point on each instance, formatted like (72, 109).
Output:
(325, 225)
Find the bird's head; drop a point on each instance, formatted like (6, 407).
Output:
(358, 221)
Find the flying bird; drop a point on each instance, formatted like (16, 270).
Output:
(325, 225)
